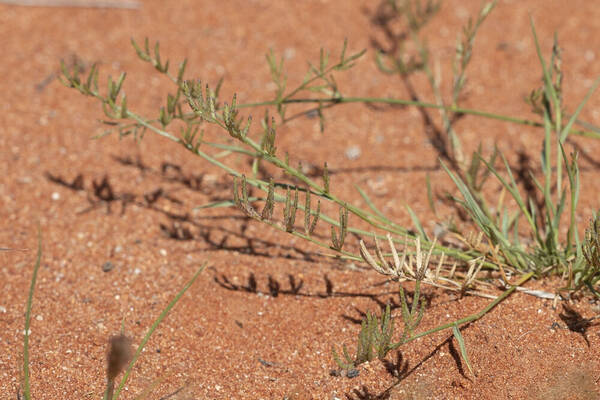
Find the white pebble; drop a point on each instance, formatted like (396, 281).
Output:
(589, 56)
(289, 53)
(353, 152)
(55, 196)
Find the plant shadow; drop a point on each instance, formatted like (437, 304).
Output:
(386, 20)
(181, 226)
(576, 322)
(293, 287)
(400, 371)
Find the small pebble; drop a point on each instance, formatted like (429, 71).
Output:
(163, 252)
(348, 373)
(352, 373)
(589, 56)
(439, 230)
(353, 152)
(289, 53)
(55, 196)
(107, 266)
(312, 114)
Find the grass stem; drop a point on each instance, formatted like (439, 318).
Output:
(470, 318)
(26, 372)
(162, 316)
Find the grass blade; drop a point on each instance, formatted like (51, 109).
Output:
(371, 205)
(548, 85)
(573, 118)
(430, 195)
(226, 203)
(473, 208)
(162, 316)
(417, 223)
(461, 346)
(513, 189)
(26, 374)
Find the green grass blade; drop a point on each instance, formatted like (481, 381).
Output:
(573, 175)
(162, 316)
(372, 206)
(573, 119)
(226, 203)
(559, 210)
(548, 85)
(430, 195)
(479, 217)
(512, 189)
(516, 239)
(417, 223)
(26, 373)
(586, 125)
(461, 346)
(504, 223)
(230, 148)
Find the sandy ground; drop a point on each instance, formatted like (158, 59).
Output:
(261, 320)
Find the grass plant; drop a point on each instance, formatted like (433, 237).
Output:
(119, 357)
(544, 220)
(375, 335)
(500, 244)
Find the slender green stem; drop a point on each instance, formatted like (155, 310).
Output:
(374, 220)
(306, 84)
(368, 217)
(26, 373)
(388, 100)
(162, 316)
